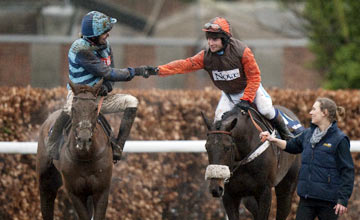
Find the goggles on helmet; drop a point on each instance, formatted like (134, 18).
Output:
(212, 27)
(218, 25)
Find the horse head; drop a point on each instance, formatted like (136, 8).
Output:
(223, 146)
(84, 114)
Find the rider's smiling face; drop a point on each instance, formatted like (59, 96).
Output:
(215, 44)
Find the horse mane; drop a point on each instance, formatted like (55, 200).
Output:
(84, 89)
(229, 114)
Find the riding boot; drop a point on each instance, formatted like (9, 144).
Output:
(124, 131)
(281, 127)
(55, 135)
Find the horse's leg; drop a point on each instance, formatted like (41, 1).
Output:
(49, 183)
(251, 205)
(285, 190)
(231, 206)
(100, 204)
(90, 205)
(80, 205)
(264, 203)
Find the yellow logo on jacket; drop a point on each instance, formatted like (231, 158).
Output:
(327, 145)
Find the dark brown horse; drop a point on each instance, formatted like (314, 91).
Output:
(85, 164)
(237, 175)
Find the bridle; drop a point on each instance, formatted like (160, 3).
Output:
(87, 125)
(98, 109)
(252, 155)
(219, 132)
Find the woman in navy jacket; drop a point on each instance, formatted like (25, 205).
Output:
(326, 177)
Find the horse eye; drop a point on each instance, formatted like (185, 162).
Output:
(226, 149)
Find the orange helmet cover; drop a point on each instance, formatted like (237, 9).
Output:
(218, 24)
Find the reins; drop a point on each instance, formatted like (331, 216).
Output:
(229, 133)
(257, 126)
(100, 104)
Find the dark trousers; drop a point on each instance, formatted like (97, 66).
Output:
(308, 209)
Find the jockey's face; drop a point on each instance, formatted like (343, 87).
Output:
(215, 44)
(103, 37)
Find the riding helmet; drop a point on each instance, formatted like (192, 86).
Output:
(218, 27)
(96, 23)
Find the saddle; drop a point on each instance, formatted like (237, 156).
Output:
(258, 119)
(294, 126)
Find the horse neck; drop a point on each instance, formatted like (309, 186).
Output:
(246, 137)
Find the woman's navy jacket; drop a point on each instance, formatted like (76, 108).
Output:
(327, 169)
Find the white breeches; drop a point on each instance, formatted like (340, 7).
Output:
(262, 101)
(112, 103)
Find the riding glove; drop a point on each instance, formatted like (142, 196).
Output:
(141, 71)
(145, 71)
(244, 105)
(152, 70)
(105, 88)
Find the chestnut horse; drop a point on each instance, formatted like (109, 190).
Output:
(85, 163)
(241, 168)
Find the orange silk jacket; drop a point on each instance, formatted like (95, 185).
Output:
(233, 72)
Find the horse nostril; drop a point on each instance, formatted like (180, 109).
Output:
(221, 191)
(217, 192)
(214, 193)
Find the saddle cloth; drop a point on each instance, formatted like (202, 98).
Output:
(294, 126)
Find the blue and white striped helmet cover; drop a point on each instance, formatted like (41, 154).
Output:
(96, 23)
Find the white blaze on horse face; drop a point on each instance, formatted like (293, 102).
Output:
(214, 171)
(85, 124)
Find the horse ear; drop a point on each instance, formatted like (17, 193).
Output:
(232, 125)
(73, 87)
(97, 86)
(206, 121)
